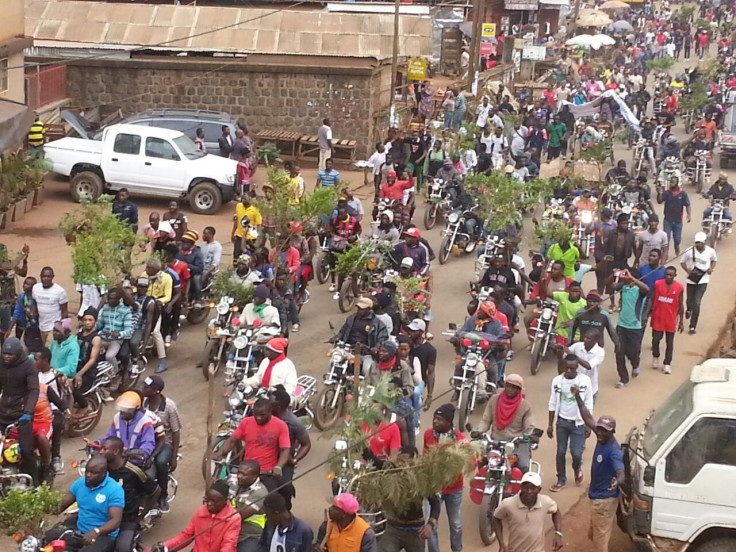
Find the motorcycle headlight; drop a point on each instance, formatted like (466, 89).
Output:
(586, 217)
(29, 544)
(547, 314)
(626, 209)
(717, 207)
(337, 356)
(235, 399)
(494, 459)
(341, 445)
(240, 342)
(223, 308)
(453, 218)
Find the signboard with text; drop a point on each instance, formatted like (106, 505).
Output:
(534, 53)
(489, 30)
(522, 5)
(417, 69)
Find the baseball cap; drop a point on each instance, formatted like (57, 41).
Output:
(407, 262)
(143, 282)
(417, 324)
(364, 303)
(347, 503)
(533, 478)
(593, 295)
(413, 232)
(515, 379)
(607, 422)
(155, 382)
(700, 237)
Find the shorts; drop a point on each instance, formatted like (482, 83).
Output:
(43, 429)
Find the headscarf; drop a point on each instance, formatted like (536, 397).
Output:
(64, 326)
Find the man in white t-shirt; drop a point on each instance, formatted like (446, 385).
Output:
(324, 138)
(570, 425)
(590, 357)
(498, 146)
(699, 263)
(52, 302)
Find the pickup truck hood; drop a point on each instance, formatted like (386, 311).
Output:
(75, 144)
(216, 163)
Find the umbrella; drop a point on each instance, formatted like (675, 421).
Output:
(594, 18)
(592, 41)
(614, 5)
(621, 27)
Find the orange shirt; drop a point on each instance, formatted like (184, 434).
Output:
(43, 407)
(709, 127)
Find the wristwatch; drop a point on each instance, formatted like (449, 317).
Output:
(97, 530)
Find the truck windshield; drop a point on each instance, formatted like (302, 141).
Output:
(667, 418)
(187, 148)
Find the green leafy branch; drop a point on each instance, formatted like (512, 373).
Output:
(412, 293)
(698, 97)
(552, 230)
(224, 286)
(663, 64)
(355, 258)
(21, 511)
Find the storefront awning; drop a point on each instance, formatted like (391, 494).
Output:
(15, 122)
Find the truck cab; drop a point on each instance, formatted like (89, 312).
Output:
(681, 467)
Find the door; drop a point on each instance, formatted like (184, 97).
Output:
(163, 167)
(122, 163)
(695, 480)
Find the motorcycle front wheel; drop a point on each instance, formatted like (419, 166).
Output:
(430, 216)
(211, 356)
(197, 316)
(712, 235)
(536, 356)
(346, 299)
(445, 249)
(325, 414)
(485, 518)
(463, 410)
(323, 269)
(699, 181)
(84, 425)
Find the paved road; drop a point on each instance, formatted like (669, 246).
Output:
(186, 385)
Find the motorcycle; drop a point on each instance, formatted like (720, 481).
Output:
(584, 242)
(637, 214)
(11, 476)
(438, 202)
(245, 354)
(613, 196)
(197, 315)
(699, 174)
(78, 425)
(454, 237)
(363, 283)
(323, 269)
(338, 386)
(542, 333)
(31, 543)
(643, 154)
(499, 477)
(125, 376)
(220, 331)
(716, 225)
(493, 247)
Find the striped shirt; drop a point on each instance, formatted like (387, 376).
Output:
(36, 134)
(328, 178)
(116, 319)
(168, 414)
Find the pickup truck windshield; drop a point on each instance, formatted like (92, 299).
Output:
(667, 418)
(187, 147)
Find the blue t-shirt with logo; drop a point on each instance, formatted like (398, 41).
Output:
(632, 300)
(94, 502)
(607, 459)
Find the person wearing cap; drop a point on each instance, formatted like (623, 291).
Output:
(261, 309)
(365, 330)
(191, 254)
(414, 248)
(385, 230)
(448, 175)
(650, 239)
(126, 210)
(519, 521)
(159, 232)
(393, 189)
(344, 530)
(675, 201)
(166, 455)
(699, 263)
(244, 275)
(607, 476)
(64, 348)
(508, 414)
(720, 190)
(442, 433)
(131, 424)
(275, 369)
(344, 229)
(147, 324)
(214, 526)
(19, 393)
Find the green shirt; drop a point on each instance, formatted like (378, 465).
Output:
(65, 356)
(556, 132)
(632, 300)
(568, 257)
(567, 310)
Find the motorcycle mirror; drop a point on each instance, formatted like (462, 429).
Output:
(452, 326)
(468, 427)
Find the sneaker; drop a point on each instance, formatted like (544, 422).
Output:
(691, 331)
(336, 296)
(620, 384)
(557, 487)
(635, 372)
(579, 477)
(58, 466)
(167, 341)
(333, 287)
(160, 369)
(163, 505)
(666, 369)
(295, 328)
(509, 356)
(655, 363)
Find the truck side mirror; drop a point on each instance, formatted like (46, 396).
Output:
(649, 473)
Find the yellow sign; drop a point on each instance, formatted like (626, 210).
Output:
(417, 69)
(489, 30)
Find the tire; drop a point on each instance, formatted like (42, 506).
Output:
(205, 198)
(712, 236)
(323, 269)
(536, 357)
(90, 422)
(444, 253)
(126, 382)
(699, 181)
(717, 545)
(86, 185)
(487, 506)
(430, 216)
(324, 416)
(346, 300)
(217, 445)
(197, 316)
(211, 355)
(462, 409)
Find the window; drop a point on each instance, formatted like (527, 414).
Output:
(156, 147)
(187, 147)
(709, 441)
(127, 143)
(668, 417)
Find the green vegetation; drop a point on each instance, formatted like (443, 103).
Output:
(23, 511)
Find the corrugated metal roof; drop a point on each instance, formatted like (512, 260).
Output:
(315, 33)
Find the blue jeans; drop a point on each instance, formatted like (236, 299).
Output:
(568, 431)
(457, 120)
(403, 409)
(162, 468)
(448, 118)
(453, 506)
(416, 401)
(726, 213)
(674, 232)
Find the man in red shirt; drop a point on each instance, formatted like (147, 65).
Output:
(550, 96)
(394, 189)
(442, 433)
(666, 309)
(266, 440)
(555, 280)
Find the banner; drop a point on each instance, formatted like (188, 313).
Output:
(593, 107)
(417, 69)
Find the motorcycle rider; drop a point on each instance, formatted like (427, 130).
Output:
(344, 230)
(243, 274)
(412, 247)
(722, 190)
(386, 230)
(618, 174)
(18, 396)
(132, 425)
(465, 204)
(450, 178)
(115, 327)
(275, 369)
(261, 309)
(698, 143)
(365, 330)
(670, 170)
(636, 194)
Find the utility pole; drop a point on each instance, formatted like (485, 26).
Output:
(475, 40)
(575, 15)
(395, 58)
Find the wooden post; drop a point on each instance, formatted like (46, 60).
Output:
(475, 40)
(395, 56)
(210, 429)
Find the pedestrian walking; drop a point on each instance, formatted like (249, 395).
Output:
(590, 357)
(606, 475)
(675, 201)
(666, 309)
(324, 136)
(569, 423)
(699, 264)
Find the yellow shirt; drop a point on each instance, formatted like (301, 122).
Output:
(296, 189)
(251, 212)
(161, 288)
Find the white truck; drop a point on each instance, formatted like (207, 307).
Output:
(681, 467)
(148, 161)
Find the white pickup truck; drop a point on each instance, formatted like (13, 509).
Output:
(147, 161)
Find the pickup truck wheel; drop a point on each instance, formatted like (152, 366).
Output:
(86, 185)
(718, 545)
(205, 199)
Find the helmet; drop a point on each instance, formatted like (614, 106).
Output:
(244, 258)
(245, 221)
(130, 400)
(488, 308)
(12, 453)
(671, 160)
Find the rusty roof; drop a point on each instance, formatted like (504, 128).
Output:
(262, 31)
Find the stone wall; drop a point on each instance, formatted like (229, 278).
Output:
(281, 98)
